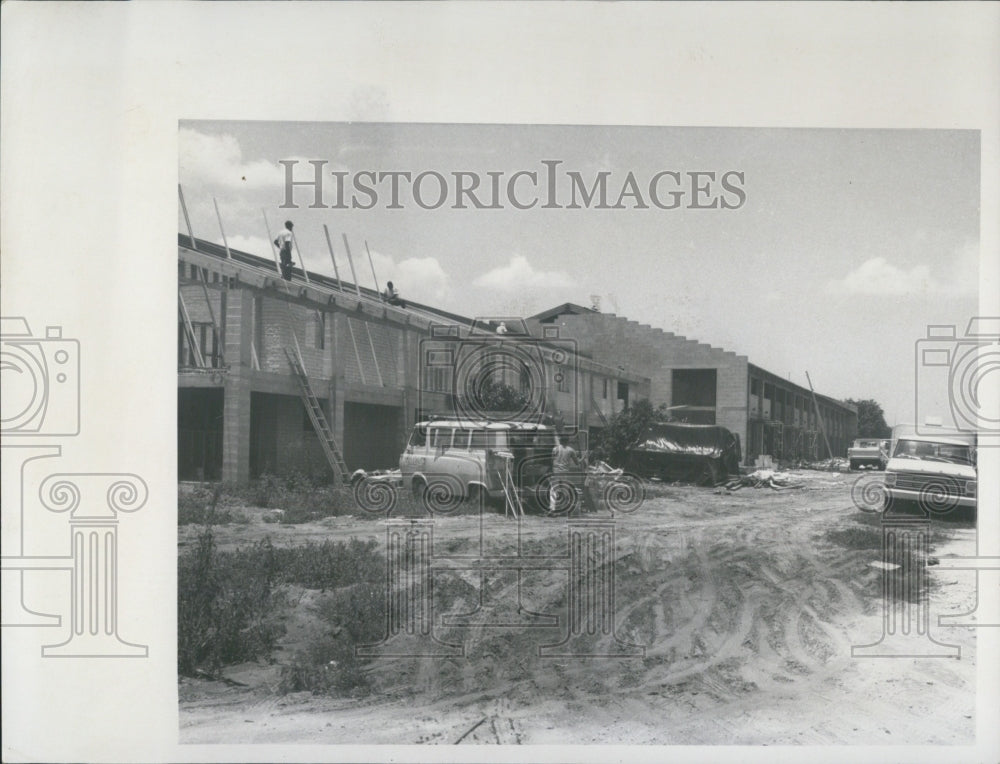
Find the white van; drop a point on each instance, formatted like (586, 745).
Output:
(462, 458)
(935, 470)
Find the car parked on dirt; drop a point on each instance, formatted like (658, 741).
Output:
(868, 452)
(703, 454)
(454, 459)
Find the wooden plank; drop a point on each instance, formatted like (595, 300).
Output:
(187, 220)
(229, 255)
(198, 357)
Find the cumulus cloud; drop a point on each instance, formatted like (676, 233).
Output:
(955, 272)
(217, 160)
(880, 277)
(421, 279)
(255, 245)
(519, 274)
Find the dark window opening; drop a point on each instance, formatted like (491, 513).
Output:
(693, 395)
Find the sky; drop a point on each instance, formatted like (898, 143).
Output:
(829, 251)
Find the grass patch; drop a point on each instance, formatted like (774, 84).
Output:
(860, 538)
(228, 603)
(200, 506)
(329, 666)
(225, 606)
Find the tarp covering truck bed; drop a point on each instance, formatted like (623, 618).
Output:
(700, 453)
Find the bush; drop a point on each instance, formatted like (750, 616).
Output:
(329, 564)
(224, 605)
(200, 507)
(624, 429)
(227, 603)
(329, 666)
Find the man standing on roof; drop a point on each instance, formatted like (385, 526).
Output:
(391, 296)
(284, 244)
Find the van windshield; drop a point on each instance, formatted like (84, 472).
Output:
(949, 453)
(488, 439)
(542, 439)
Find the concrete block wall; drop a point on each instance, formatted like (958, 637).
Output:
(279, 321)
(651, 352)
(236, 429)
(198, 307)
(353, 346)
(298, 447)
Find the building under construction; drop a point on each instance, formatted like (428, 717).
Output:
(320, 376)
(702, 384)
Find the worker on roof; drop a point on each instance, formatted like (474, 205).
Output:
(391, 295)
(284, 244)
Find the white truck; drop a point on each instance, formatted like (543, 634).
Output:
(870, 452)
(934, 470)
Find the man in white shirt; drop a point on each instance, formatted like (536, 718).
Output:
(391, 295)
(566, 467)
(284, 244)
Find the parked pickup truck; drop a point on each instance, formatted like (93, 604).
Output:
(935, 471)
(868, 452)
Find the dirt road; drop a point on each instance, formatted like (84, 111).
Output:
(746, 606)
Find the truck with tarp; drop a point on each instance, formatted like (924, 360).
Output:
(702, 454)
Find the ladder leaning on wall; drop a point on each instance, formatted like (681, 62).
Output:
(316, 416)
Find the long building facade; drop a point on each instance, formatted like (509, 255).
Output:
(373, 368)
(702, 384)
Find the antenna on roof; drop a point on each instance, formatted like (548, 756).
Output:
(187, 220)
(229, 255)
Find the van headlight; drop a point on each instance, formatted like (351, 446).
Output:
(970, 488)
(890, 479)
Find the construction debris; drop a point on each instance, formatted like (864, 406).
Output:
(779, 481)
(836, 464)
(393, 477)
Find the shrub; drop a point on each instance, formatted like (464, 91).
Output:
(330, 666)
(200, 507)
(624, 429)
(227, 602)
(224, 605)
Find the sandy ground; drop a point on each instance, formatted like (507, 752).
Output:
(746, 609)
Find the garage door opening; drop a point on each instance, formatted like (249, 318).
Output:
(199, 434)
(372, 436)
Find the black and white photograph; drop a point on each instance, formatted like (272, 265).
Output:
(562, 381)
(576, 434)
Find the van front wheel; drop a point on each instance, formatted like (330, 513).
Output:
(419, 490)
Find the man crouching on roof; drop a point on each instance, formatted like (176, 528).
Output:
(391, 295)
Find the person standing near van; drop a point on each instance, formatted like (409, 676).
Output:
(565, 462)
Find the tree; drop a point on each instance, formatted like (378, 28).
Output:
(492, 396)
(625, 427)
(871, 419)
